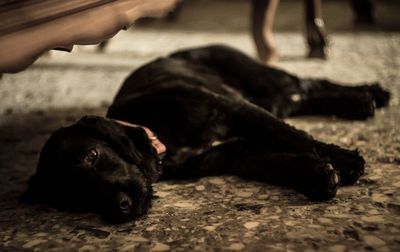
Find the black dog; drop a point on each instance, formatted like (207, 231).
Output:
(218, 112)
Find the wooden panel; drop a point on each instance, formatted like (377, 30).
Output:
(22, 14)
(37, 26)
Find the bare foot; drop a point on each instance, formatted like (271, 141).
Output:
(267, 55)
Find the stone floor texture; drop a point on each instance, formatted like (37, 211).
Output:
(215, 213)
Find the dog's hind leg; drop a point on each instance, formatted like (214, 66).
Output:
(249, 76)
(284, 94)
(323, 97)
(268, 87)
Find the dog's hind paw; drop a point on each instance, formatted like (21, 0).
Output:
(358, 107)
(380, 95)
(322, 183)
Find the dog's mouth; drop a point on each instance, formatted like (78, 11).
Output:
(126, 206)
(125, 199)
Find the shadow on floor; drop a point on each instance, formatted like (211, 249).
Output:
(22, 137)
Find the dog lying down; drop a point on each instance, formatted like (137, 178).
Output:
(217, 112)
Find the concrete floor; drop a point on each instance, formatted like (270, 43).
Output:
(217, 213)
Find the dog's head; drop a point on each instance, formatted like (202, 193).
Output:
(96, 165)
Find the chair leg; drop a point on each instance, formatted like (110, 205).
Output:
(315, 30)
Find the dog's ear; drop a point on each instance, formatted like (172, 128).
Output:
(112, 133)
(140, 139)
(150, 166)
(51, 184)
(130, 143)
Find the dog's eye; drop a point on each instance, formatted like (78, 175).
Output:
(91, 156)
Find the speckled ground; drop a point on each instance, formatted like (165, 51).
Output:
(216, 213)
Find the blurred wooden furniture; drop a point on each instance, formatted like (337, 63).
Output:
(29, 28)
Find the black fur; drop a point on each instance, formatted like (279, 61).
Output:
(217, 111)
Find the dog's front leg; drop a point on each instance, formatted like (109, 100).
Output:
(307, 173)
(261, 128)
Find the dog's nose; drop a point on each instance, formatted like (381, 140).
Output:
(124, 202)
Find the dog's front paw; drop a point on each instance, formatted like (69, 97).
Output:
(349, 163)
(350, 166)
(322, 182)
